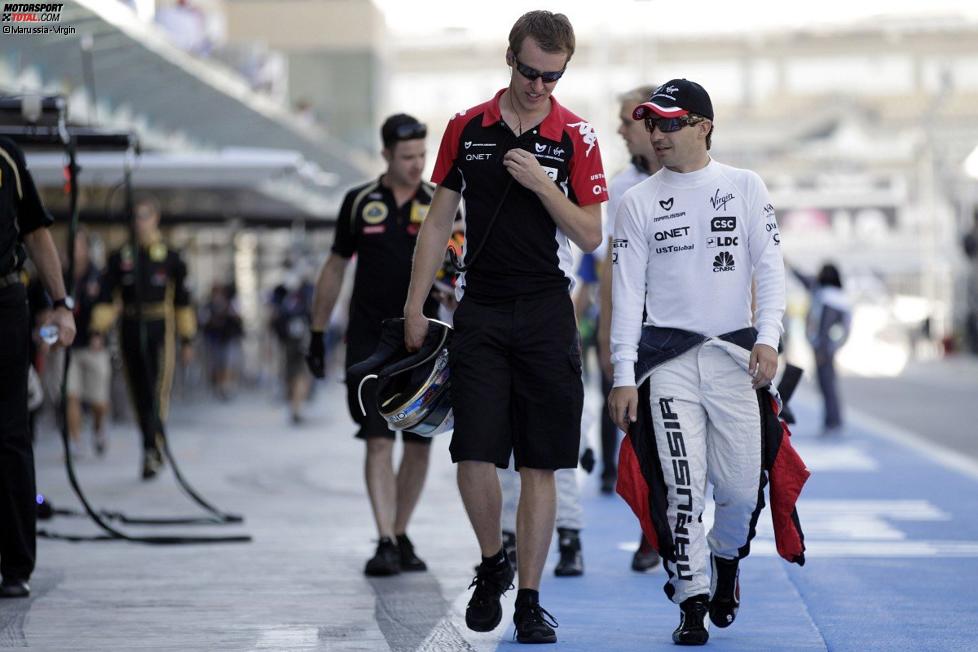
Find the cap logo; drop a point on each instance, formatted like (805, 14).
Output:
(672, 89)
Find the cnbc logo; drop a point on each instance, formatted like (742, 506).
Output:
(724, 262)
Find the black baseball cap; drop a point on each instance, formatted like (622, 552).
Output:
(674, 99)
(401, 126)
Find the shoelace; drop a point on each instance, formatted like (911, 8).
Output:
(537, 614)
(484, 583)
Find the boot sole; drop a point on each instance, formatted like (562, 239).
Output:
(699, 640)
(568, 573)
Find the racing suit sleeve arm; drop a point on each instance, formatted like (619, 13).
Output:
(186, 320)
(764, 246)
(630, 256)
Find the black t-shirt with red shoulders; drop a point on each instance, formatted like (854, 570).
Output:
(525, 254)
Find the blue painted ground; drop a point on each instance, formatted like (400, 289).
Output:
(892, 542)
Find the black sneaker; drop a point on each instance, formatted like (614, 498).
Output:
(152, 462)
(693, 628)
(534, 624)
(14, 589)
(645, 558)
(410, 562)
(491, 582)
(509, 545)
(724, 590)
(571, 562)
(386, 561)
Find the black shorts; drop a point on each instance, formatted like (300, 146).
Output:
(516, 383)
(372, 424)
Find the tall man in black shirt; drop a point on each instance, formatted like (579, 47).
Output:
(165, 313)
(535, 167)
(379, 222)
(23, 231)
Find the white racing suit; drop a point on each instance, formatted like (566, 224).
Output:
(707, 427)
(569, 512)
(687, 248)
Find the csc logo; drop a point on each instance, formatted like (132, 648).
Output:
(723, 223)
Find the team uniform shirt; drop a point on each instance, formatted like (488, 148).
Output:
(162, 276)
(617, 187)
(694, 241)
(382, 235)
(526, 254)
(21, 211)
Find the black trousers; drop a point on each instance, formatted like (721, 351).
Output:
(18, 511)
(149, 374)
(825, 372)
(609, 433)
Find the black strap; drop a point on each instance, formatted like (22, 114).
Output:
(459, 267)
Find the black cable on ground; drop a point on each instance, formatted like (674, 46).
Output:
(70, 144)
(220, 517)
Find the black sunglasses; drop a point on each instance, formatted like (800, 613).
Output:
(533, 73)
(411, 131)
(669, 125)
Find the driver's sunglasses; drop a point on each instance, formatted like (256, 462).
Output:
(533, 73)
(411, 131)
(669, 125)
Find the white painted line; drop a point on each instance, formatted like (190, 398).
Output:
(452, 627)
(939, 453)
(824, 456)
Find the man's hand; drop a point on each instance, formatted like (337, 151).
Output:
(316, 357)
(763, 365)
(623, 406)
(415, 330)
(65, 321)
(526, 170)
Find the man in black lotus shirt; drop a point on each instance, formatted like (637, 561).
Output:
(166, 312)
(23, 231)
(379, 222)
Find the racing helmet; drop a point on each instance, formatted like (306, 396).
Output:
(413, 388)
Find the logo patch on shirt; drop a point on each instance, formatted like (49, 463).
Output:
(724, 262)
(722, 241)
(157, 252)
(725, 223)
(551, 172)
(374, 230)
(587, 135)
(616, 244)
(419, 211)
(720, 203)
(540, 147)
(666, 204)
(374, 212)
